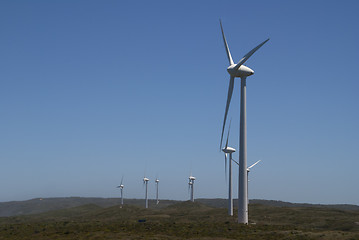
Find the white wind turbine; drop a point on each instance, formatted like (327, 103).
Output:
(241, 71)
(121, 186)
(229, 150)
(191, 186)
(248, 170)
(145, 182)
(157, 182)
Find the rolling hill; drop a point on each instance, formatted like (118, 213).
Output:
(40, 205)
(180, 220)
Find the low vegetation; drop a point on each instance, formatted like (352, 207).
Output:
(182, 220)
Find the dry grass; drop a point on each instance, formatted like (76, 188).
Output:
(183, 220)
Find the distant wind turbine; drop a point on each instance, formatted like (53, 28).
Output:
(241, 71)
(248, 170)
(191, 186)
(157, 182)
(229, 150)
(145, 182)
(121, 186)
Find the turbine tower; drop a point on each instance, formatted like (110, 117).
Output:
(228, 150)
(145, 182)
(191, 185)
(121, 186)
(241, 71)
(157, 182)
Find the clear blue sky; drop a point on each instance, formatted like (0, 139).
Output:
(91, 91)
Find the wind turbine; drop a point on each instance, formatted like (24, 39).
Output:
(229, 150)
(241, 71)
(248, 170)
(121, 186)
(157, 182)
(191, 185)
(145, 182)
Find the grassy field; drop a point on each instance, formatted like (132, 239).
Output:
(183, 220)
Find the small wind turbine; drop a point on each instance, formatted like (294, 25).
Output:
(145, 182)
(191, 186)
(248, 170)
(229, 150)
(157, 182)
(121, 186)
(241, 71)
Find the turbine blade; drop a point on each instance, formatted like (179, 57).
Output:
(121, 180)
(226, 45)
(230, 122)
(254, 164)
(248, 55)
(229, 97)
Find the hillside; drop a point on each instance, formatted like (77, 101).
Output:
(223, 203)
(40, 205)
(182, 220)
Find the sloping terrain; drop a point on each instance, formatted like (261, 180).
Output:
(288, 204)
(39, 205)
(182, 220)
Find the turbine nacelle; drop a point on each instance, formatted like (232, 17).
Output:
(243, 71)
(228, 150)
(157, 181)
(191, 178)
(145, 179)
(121, 186)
